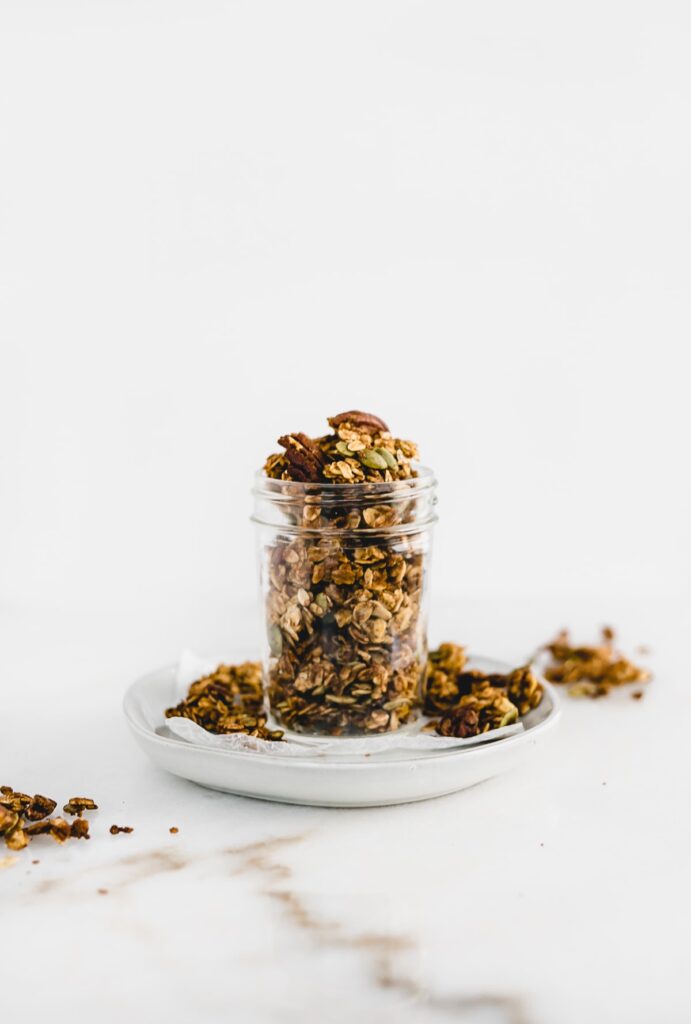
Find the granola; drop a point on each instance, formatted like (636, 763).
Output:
(344, 626)
(32, 807)
(78, 804)
(591, 671)
(470, 701)
(360, 448)
(345, 580)
(229, 700)
(22, 817)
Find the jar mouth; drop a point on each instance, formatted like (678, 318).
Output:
(290, 491)
(285, 505)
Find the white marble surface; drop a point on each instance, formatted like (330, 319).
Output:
(555, 896)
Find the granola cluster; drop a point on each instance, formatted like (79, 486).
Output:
(22, 817)
(471, 702)
(591, 671)
(231, 699)
(360, 449)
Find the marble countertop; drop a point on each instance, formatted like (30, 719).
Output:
(555, 895)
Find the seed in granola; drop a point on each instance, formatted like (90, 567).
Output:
(372, 459)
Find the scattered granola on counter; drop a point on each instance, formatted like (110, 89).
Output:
(115, 830)
(32, 807)
(473, 702)
(78, 804)
(229, 700)
(591, 671)
(22, 817)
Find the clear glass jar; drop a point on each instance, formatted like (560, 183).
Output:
(344, 582)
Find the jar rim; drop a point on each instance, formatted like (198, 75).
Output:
(291, 490)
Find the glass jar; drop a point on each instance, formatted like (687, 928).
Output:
(344, 582)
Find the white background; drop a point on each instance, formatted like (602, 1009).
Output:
(222, 221)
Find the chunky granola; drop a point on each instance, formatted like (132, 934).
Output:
(471, 702)
(229, 700)
(591, 671)
(345, 580)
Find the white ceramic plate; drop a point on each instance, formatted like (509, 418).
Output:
(394, 777)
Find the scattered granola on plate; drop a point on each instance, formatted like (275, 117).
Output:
(460, 701)
(228, 700)
(471, 702)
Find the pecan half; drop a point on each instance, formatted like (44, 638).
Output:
(362, 420)
(304, 457)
